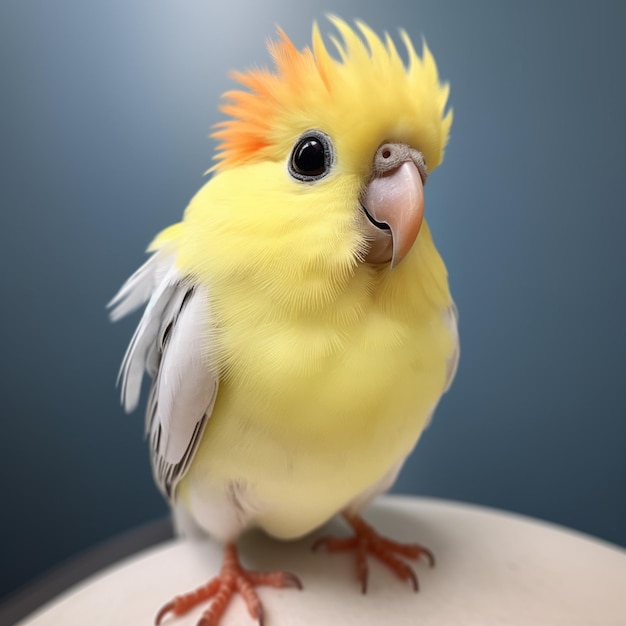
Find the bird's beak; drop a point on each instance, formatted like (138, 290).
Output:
(393, 203)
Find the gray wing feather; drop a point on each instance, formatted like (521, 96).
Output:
(169, 343)
(452, 319)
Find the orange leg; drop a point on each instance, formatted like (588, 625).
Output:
(232, 579)
(367, 541)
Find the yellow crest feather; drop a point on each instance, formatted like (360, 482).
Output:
(368, 88)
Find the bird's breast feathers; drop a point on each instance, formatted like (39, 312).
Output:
(318, 403)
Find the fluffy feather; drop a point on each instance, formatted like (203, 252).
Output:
(328, 366)
(367, 93)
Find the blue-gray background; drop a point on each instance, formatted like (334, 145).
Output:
(105, 108)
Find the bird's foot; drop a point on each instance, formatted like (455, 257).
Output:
(233, 578)
(367, 541)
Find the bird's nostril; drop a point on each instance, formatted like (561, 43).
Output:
(386, 153)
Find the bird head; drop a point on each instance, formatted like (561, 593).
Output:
(322, 160)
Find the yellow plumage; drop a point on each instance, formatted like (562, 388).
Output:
(325, 400)
(329, 365)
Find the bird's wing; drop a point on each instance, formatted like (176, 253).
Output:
(452, 319)
(170, 344)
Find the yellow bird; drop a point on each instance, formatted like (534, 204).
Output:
(299, 329)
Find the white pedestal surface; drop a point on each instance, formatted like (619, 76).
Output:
(493, 568)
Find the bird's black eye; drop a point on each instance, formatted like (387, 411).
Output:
(311, 157)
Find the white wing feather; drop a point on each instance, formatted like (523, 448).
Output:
(452, 319)
(138, 289)
(168, 344)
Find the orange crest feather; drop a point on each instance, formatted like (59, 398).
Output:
(308, 85)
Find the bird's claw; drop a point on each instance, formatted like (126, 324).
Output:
(367, 541)
(232, 579)
(163, 611)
